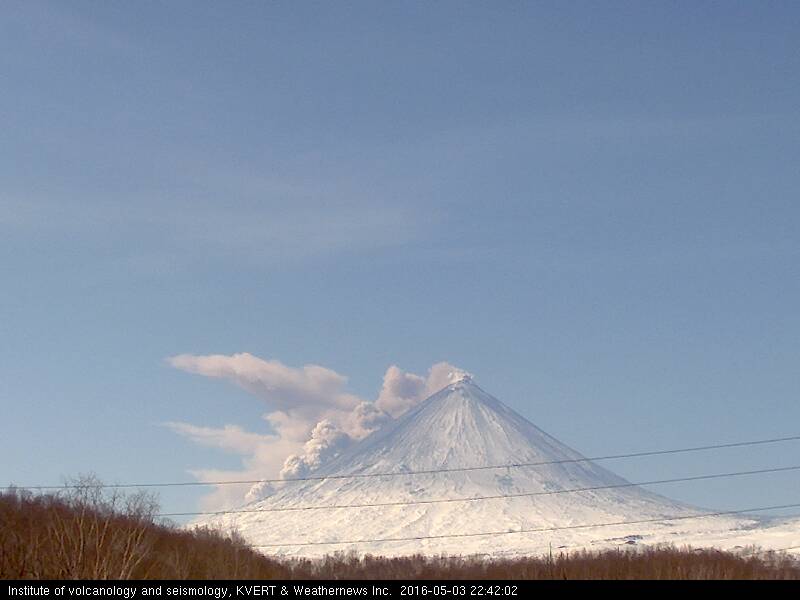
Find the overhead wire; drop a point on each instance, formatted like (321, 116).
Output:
(479, 498)
(414, 472)
(531, 530)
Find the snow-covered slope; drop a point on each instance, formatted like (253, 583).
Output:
(460, 427)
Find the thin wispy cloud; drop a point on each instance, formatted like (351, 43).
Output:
(256, 233)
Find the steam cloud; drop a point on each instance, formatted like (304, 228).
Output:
(312, 416)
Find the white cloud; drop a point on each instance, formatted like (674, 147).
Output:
(312, 416)
(231, 438)
(441, 375)
(327, 441)
(402, 390)
(366, 418)
(289, 426)
(307, 389)
(259, 491)
(262, 458)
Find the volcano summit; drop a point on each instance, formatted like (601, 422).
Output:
(433, 481)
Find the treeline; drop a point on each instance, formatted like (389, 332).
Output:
(88, 532)
(649, 563)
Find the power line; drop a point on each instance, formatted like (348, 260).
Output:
(421, 472)
(534, 530)
(476, 498)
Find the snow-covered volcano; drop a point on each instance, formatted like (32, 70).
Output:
(462, 427)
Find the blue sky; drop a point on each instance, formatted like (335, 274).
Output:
(592, 207)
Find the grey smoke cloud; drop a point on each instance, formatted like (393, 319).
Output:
(326, 442)
(402, 390)
(312, 416)
(366, 418)
(304, 389)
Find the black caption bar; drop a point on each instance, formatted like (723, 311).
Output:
(240, 590)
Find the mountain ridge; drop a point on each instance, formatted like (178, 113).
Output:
(460, 427)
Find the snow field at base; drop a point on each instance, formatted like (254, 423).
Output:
(459, 427)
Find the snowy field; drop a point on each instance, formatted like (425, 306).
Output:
(461, 427)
